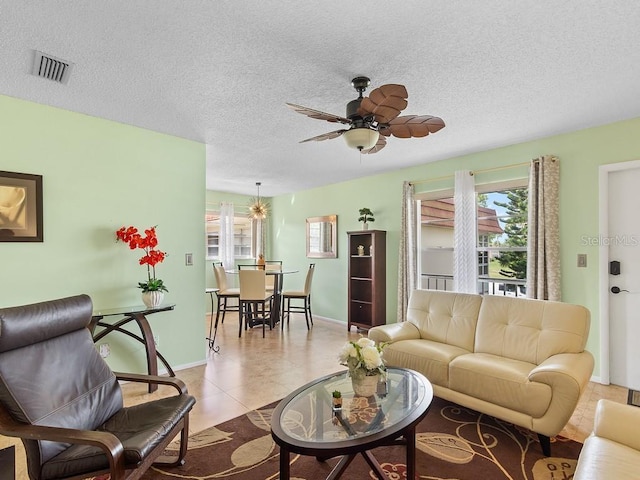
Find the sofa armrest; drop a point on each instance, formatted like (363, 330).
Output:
(567, 375)
(617, 422)
(575, 368)
(394, 332)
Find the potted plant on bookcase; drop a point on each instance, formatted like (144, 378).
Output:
(366, 216)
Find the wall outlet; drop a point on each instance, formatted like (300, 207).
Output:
(156, 340)
(104, 349)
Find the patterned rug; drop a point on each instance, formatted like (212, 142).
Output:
(452, 442)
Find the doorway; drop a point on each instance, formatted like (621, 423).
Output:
(619, 248)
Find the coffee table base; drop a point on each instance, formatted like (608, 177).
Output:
(408, 440)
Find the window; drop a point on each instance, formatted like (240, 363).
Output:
(436, 240)
(243, 230)
(501, 239)
(502, 242)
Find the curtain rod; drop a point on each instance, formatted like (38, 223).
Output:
(475, 172)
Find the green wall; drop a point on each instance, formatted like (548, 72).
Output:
(99, 175)
(580, 154)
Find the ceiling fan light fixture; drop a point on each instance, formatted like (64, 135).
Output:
(361, 138)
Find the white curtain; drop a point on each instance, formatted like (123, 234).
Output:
(465, 257)
(226, 235)
(543, 250)
(407, 258)
(259, 237)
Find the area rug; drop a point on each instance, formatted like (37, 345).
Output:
(453, 442)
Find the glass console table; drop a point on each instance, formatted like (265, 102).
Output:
(139, 315)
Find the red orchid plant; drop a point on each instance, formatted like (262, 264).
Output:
(150, 258)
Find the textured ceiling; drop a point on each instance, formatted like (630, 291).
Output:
(497, 71)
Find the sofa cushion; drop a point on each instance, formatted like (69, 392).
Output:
(530, 330)
(429, 358)
(499, 380)
(445, 317)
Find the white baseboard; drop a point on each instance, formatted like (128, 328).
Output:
(163, 371)
(595, 379)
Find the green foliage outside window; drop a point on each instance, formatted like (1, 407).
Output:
(515, 232)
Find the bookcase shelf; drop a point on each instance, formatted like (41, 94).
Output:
(367, 279)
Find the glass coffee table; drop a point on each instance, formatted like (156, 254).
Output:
(306, 423)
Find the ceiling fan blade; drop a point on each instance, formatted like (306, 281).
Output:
(409, 126)
(380, 144)
(385, 102)
(325, 136)
(310, 112)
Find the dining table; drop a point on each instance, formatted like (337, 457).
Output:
(277, 289)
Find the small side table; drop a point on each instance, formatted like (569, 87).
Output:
(212, 340)
(138, 315)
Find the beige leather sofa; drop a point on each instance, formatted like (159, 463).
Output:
(517, 359)
(613, 449)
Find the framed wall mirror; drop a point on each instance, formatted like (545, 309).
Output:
(322, 237)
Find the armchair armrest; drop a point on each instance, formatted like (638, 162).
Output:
(394, 332)
(153, 379)
(618, 422)
(108, 442)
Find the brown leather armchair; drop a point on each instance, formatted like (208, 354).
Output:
(61, 398)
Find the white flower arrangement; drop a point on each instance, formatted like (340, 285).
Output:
(363, 358)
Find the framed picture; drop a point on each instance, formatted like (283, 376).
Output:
(20, 207)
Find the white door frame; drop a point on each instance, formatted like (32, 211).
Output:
(603, 250)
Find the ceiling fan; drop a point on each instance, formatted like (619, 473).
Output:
(373, 118)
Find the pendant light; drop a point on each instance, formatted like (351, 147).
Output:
(258, 209)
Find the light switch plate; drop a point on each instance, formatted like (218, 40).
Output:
(582, 260)
(188, 259)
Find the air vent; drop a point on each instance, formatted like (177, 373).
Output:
(51, 68)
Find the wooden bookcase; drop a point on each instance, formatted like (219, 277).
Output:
(367, 279)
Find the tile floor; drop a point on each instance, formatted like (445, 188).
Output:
(252, 371)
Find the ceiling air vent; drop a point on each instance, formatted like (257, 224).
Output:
(51, 68)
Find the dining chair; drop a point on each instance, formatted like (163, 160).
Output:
(255, 266)
(225, 293)
(273, 267)
(297, 295)
(270, 265)
(254, 300)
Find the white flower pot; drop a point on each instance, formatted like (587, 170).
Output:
(365, 226)
(152, 299)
